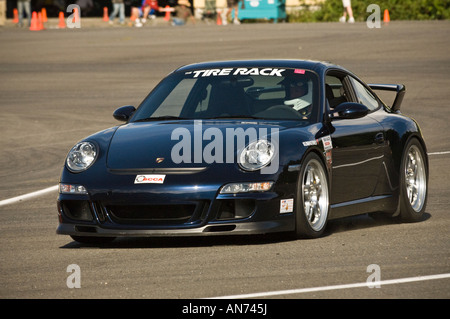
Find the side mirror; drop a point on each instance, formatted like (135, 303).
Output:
(124, 113)
(349, 110)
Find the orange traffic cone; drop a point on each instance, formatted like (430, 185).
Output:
(132, 19)
(40, 23)
(386, 17)
(105, 14)
(34, 26)
(219, 18)
(167, 16)
(62, 22)
(76, 16)
(16, 16)
(44, 15)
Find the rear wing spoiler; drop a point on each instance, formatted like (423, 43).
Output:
(400, 89)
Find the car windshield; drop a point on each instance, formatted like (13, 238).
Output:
(256, 93)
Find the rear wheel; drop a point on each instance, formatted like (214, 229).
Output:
(312, 198)
(413, 183)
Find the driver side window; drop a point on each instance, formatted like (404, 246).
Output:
(335, 91)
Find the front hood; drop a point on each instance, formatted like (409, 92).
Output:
(143, 145)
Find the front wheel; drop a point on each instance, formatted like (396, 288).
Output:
(312, 205)
(413, 183)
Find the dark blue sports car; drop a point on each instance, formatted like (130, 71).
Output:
(246, 147)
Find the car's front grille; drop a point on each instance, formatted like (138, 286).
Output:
(175, 214)
(180, 213)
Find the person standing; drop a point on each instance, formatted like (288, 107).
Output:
(2, 12)
(347, 10)
(231, 5)
(118, 8)
(24, 5)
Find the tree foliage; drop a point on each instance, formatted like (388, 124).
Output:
(331, 10)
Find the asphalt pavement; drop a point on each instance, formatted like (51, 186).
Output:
(60, 85)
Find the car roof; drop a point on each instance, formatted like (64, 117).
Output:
(284, 63)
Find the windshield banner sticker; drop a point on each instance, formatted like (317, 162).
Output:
(236, 71)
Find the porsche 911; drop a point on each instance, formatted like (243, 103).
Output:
(246, 147)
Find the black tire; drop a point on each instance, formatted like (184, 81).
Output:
(413, 182)
(92, 239)
(312, 202)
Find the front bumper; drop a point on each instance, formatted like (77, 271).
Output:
(207, 230)
(178, 211)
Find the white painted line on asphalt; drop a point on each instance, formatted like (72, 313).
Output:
(29, 195)
(336, 287)
(439, 153)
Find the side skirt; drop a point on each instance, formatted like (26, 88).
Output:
(382, 203)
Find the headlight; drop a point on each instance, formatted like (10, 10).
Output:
(81, 157)
(256, 155)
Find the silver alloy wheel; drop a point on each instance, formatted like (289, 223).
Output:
(415, 179)
(315, 195)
